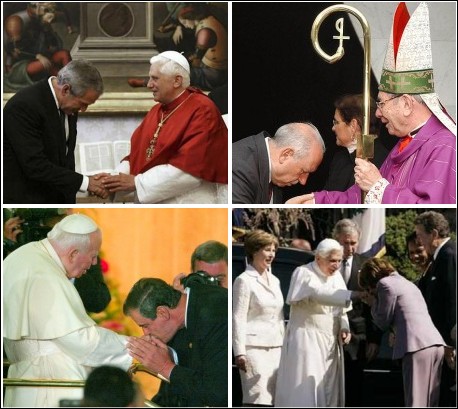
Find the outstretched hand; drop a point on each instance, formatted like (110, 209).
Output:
(368, 297)
(303, 199)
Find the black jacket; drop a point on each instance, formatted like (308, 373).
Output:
(200, 378)
(38, 162)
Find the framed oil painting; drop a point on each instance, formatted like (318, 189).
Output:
(119, 38)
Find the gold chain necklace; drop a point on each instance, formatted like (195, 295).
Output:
(153, 141)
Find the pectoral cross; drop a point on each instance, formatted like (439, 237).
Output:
(152, 144)
(149, 152)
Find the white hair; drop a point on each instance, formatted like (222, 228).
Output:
(299, 135)
(326, 247)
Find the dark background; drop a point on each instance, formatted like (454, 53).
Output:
(278, 77)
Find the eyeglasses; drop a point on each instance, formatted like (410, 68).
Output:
(333, 261)
(381, 104)
(335, 122)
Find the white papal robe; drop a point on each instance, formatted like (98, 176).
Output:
(47, 332)
(166, 184)
(311, 372)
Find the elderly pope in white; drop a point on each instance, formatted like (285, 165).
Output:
(47, 332)
(311, 365)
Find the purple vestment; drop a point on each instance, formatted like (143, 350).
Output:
(424, 172)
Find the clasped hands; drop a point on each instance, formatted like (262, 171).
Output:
(103, 184)
(152, 353)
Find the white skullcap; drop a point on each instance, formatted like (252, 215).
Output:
(327, 245)
(180, 59)
(78, 224)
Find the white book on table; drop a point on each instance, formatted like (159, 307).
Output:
(104, 156)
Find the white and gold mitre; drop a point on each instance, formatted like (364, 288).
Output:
(408, 65)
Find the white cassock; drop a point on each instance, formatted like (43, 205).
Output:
(168, 184)
(311, 372)
(47, 332)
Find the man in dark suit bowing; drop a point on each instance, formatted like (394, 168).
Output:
(39, 138)
(365, 336)
(194, 324)
(438, 286)
(262, 164)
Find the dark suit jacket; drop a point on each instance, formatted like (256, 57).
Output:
(438, 287)
(36, 167)
(362, 326)
(250, 172)
(200, 378)
(341, 171)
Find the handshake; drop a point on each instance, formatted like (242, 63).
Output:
(367, 297)
(104, 184)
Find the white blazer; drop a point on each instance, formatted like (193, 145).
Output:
(257, 318)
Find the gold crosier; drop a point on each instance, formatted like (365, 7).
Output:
(365, 142)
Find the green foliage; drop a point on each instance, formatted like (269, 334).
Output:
(398, 227)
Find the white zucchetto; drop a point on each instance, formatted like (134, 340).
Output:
(327, 245)
(175, 56)
(78, 224)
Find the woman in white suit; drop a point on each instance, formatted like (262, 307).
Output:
(258, 323)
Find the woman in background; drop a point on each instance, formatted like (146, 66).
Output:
(347, 124)
(417, 256)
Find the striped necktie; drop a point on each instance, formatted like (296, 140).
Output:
(344, 269)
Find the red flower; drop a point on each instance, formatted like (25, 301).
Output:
(104, 266)
(113, 325)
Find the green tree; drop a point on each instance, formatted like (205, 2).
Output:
(398, 227)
